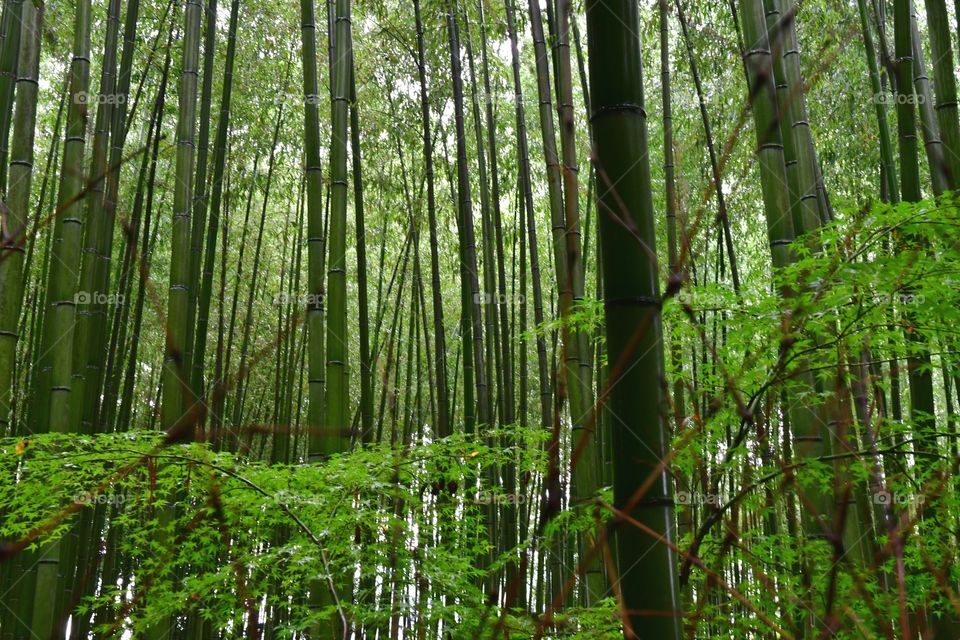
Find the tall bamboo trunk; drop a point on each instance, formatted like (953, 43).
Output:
(471, 294)
(647, 564)
(335, 425)
(487, 279)
(9, 54)
(88, 357)
(200, 195)
(14, 217)
(945, 85)
(363, 313)
(176, 388)
(932, 144)
(443, 426)
(125, 413)
(175, 417)
(53, 389)
(315, 241)
(213, 225)
(104, 403)
(808, 439)
(13, 237)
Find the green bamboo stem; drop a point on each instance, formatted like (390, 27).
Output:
(175, 416)
(918, 362)
(175, 382)
(335, 437)
(53, 389)
(16, 214)
(578, 373)
(945, 85)
(443, 426)
(45, 202)
(79, 555)
(200, 195)
(125, 413)
(219, 369)
(528, 225)
(130, 228)
(488, 306)
(886, 147)
(14, 222)
(794, 125)
(315, 238)
(92, 294)
(104, 410)
(669, 172)
(363, 316)
(9, 52)
(506, 402)
(219, 167)
(932, 144)
(472, 323)
(647, 567)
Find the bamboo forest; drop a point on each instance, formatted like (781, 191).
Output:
(479, 319)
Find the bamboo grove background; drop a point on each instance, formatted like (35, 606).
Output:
(479, 318)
